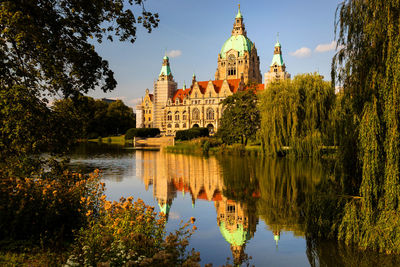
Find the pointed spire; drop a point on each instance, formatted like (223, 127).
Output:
(184, 86)
(277, 41)
(238, 26)
(239, 14)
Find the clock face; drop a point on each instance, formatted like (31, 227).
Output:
(231, 58)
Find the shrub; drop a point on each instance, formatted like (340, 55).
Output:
(206, 147)
(141, 132)
(46, 209)
(191, 133)
(127, 233)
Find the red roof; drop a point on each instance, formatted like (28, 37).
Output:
(180, 94)
(233, 86)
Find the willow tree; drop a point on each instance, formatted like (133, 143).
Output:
(295, 115)
(367, 66)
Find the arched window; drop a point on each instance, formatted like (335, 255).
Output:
(177, 115)
(169, 126)
(169, 116)
(184, 125)
(176, 125)
(231, 65)
(210, 114)
(184, 116)
(196, 114)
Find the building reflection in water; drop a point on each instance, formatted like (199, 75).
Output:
(202, 178)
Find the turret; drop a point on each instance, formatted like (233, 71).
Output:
(164, 89)
(277, 70)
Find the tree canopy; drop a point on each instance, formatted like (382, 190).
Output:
(295, 114)
(46, 45)
(93, 118)
(240, 118)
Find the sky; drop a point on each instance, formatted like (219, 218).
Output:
(193, 32)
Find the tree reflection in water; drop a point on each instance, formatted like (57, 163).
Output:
(289, 196)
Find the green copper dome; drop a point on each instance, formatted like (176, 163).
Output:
(237, 238)
(239, 43)
(164, 208)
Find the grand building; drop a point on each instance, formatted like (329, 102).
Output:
(199, 105)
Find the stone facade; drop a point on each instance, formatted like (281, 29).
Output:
(199, 105)
(144, 118)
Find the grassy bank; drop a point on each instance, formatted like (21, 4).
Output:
(210, 145)
(116, 140)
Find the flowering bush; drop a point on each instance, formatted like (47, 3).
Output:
(47, 208)
(128, 233)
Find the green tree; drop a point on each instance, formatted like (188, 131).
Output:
(46, 50)
(295, 114)
(240, 119)
(367, 65)
(96, 118)
(120, 118)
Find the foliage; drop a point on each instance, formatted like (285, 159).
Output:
(47, 208)
(96, 118)
(295, 115)
(130, 233)
(240, 119)
(192, 133)
(27, 126)
(46, 51)
(141, 132)
(46, 45)
(367, 65)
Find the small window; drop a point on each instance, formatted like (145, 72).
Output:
(176, 125)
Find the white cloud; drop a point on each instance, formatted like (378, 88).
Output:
(301, 53)
(174, 53)
(322, 48)
(134, 101)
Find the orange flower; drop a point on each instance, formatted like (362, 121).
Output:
(90, 212)
(107, 205)
(192, 219)
(194, 227)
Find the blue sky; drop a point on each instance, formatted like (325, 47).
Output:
(193, 33)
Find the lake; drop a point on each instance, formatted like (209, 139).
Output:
(245, 207)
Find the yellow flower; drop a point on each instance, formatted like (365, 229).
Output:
(90, 212)
(107, 205)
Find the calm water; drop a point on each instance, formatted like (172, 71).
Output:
(242, 205)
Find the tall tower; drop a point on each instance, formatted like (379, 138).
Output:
(164, 89)
(238, 55)
(277, 71)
